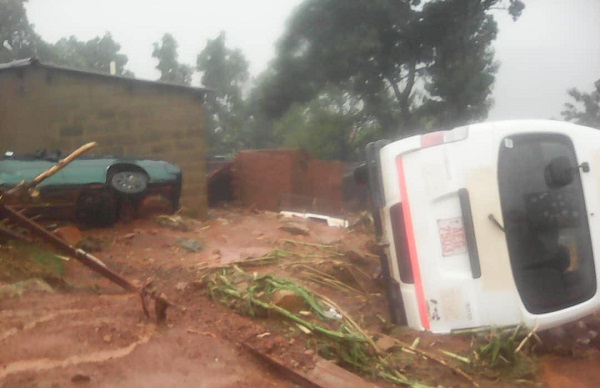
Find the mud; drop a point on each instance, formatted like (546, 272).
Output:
(89, 331)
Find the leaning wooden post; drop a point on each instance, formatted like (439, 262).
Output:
(83, 257)
(90, 261)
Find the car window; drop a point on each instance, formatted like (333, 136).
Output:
(545, 221)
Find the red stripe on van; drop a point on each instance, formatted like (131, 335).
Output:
(412, 246)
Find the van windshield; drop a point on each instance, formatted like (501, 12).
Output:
(545, 221)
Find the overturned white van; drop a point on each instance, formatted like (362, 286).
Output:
(489, 224)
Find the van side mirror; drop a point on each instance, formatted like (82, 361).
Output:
(560, 172)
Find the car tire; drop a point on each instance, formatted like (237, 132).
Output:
(97, 208)
(128, 182)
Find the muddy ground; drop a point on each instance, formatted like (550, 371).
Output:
(66, 326)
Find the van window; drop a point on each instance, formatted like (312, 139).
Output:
(546, 223)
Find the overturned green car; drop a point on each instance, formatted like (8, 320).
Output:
(94, 189)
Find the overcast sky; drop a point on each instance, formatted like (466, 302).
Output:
(554, 46)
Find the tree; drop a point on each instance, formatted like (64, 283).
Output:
(170, 69)
(226, 72)
(94, 55)
(412, 65)
(461, 70)
(589, 113)
(18, 39)
(332, 126)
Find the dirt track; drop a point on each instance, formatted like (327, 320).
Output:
(90, 332)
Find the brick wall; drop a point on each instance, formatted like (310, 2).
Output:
(287, 178)
(260, 178)
(56, 109)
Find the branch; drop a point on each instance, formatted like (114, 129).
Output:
(416, 71)
(532, 332)
(404, 95)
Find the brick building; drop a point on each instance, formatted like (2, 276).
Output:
(45, 106)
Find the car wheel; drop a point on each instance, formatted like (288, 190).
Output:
(97, 209)
(129, 182)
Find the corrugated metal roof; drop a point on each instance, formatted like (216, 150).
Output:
(27, 62)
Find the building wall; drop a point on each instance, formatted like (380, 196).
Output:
(57, 109)
(261, 178)
(288, 179)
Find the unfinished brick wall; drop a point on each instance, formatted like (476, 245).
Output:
(269, 179)
(56, 109)
(325, 179)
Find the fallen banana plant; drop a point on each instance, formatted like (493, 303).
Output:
(250, 293)
(339, 339)
(336, 335)
(306, 267)
(496, 353)
(309, 272)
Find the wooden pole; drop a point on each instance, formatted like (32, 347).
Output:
(23, 186)
(63, 247)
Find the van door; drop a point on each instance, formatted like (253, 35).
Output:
(440, 239)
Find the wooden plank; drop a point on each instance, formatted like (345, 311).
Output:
(325, 374)
(329, 375)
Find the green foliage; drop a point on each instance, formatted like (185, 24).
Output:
(413, 66)
(17, 38)
(49, 261)
(171, 70)
(94, 55)
(586, 110)
(462, 70)
(353, 355)
(225, 71)
(332, 126)
(496, 346)
(338, 340)
(24, 261)
(495, 354)
(346, 72)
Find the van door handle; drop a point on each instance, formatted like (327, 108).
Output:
(467, 215)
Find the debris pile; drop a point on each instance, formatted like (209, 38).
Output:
(15, 222)
(312, 294)
(318, 291)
